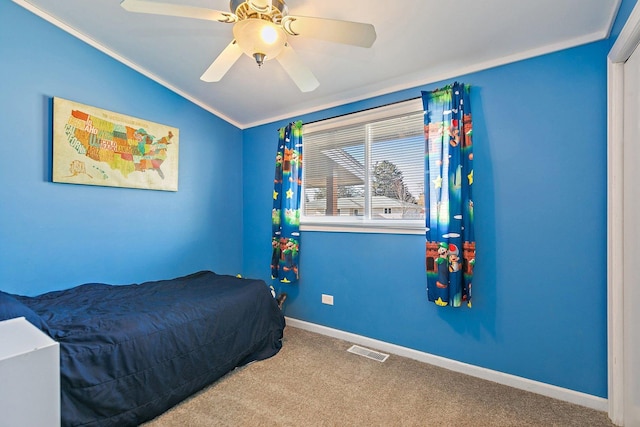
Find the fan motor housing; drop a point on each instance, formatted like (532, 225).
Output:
(244, 9)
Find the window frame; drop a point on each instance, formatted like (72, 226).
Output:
(362, 223)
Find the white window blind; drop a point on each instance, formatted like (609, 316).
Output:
(366, 168)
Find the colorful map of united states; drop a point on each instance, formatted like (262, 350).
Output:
(121, 147)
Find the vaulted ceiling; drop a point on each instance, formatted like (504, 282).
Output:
(418, 42)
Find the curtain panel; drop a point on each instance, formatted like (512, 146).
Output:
(450, 240)
(285, 215)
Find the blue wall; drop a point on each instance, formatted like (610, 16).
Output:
(540, 288)
(58, 235)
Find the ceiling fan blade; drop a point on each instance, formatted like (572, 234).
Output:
(223, 63)
(299, 73)
(333, 30)
(153, 7)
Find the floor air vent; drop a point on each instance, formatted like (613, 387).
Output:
(371, 354)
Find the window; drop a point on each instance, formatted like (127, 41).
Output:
(366, 169)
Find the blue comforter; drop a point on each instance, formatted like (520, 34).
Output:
(128, 353)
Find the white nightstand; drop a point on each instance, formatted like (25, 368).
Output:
(29, 376)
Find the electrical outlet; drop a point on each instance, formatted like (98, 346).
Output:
(327, 299)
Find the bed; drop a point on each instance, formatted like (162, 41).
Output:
(130, 352)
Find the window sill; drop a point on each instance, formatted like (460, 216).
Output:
(364, 228)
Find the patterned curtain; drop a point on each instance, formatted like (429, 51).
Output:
(450, 245)
(285, 216)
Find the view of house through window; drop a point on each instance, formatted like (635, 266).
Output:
(366, 166)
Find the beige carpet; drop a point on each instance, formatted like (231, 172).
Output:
(314, 381)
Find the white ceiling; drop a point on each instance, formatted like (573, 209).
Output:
(417, 43)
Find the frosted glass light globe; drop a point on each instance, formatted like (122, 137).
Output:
(259, 39)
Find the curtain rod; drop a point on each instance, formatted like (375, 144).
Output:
(359, 111)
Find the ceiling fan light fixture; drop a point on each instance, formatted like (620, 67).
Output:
(259, 39)
(260, 30)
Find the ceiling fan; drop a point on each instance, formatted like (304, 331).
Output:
(261, 29)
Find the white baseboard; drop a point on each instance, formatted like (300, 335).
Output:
(560, 393)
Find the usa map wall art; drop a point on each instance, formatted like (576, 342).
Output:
(98, 147)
